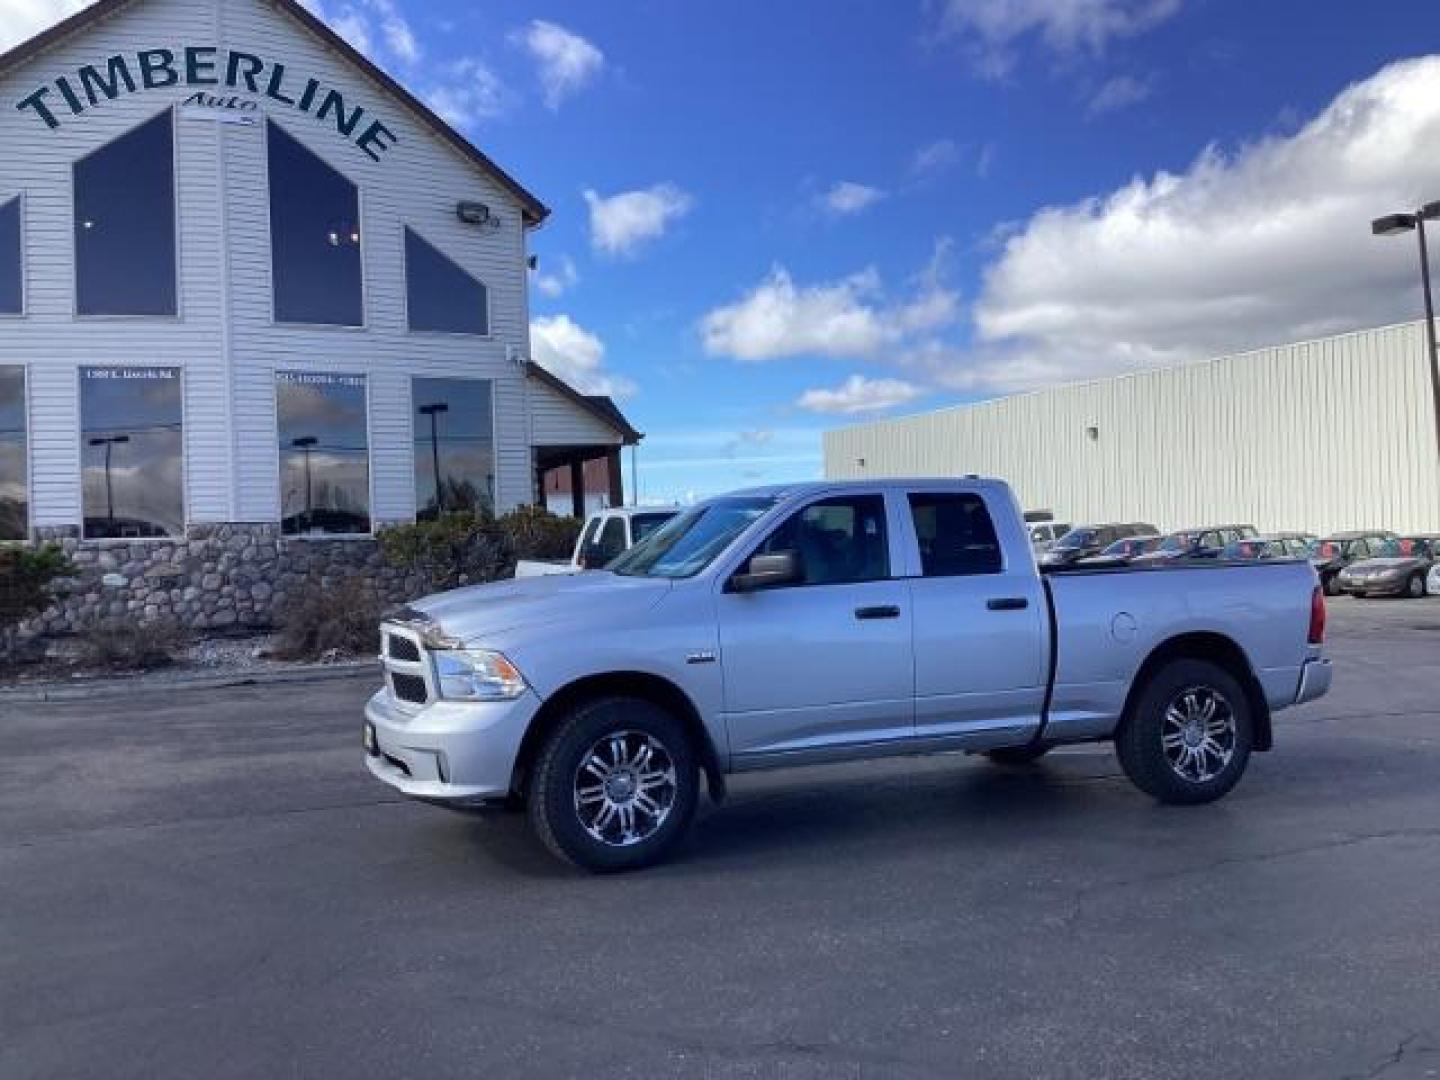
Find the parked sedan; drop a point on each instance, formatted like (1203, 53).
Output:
(1121, 552)
(1204, 542)
(1083, 541)
(1399, 569)
(1334, 553)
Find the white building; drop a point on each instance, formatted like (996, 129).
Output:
(246, 278)
(1323, 435)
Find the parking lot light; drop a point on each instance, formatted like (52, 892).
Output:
(1392, 225)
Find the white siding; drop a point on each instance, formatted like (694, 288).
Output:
(558, 421)
(225, 338)
(1330, 434)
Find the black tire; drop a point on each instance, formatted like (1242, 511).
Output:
(1331, 584)
(553, 804)
(1018, 755)
(1140, 741)
(1415, 587)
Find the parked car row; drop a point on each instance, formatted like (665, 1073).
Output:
(1373, 562)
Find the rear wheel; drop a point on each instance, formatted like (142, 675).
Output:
(1018, 755)
(1415, 587)
(1188, 737)
(1332, 584)
(615, 785)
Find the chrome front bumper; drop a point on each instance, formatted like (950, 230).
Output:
(447, 751)
(1315, 676)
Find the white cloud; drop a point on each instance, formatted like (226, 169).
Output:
(565, 277)
(991, 29)
(23, 19)
(565, 61)
(567, 349)
(847, 197)
(399, 38)
(849, 318)
(1267, 244)
(1119, 93)
(936, 157)
(858, 394)
(467, 92)
(621, 224)
(986, 161)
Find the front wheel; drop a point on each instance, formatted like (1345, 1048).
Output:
(1331, 584)
(1188, 737)
(615, 785)
(1415, 587)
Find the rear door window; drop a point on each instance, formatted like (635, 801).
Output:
(956, 534)
(612, 539)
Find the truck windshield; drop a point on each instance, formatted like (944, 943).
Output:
(685, 545)
(1076, 539)
(642, 525)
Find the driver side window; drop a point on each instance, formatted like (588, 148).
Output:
(839, 541)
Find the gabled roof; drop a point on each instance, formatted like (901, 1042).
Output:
(599, 406)
(533, 209)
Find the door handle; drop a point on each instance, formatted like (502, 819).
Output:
(1008, 603)
(883, 611)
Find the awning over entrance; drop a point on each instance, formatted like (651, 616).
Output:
(577, 439)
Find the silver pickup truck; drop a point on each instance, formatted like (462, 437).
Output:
(829, 622)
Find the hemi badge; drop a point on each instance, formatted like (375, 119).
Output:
(705, 657)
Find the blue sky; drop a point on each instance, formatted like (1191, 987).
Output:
(775, 218)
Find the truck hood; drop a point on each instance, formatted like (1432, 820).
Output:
(479, 613)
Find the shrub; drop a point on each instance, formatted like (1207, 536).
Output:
(532, 532)
(329, 617)
(459, 549)
(121, 644)
(26, 578)
(452, 550)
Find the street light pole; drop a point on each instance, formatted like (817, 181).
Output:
(1391, 225)
(432, 410)
(109, 442)
(306, 443)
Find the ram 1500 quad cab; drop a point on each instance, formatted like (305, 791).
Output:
(829, 622)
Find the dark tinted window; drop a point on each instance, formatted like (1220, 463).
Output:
(642, 525)
(454, 441)
(314, 237)
(612, 539)
(324, 453)
(839, 541)
(132, 446)
(439, 295)
(125, 224)
(956, 534)
(13, 487)
(12, 273)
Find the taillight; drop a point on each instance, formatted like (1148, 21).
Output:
(1317, 617)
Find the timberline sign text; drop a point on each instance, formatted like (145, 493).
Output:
(204, 65)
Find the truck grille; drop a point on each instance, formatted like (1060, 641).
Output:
(408, 687)
(407, 669)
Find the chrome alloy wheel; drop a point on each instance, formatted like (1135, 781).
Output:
(625, 788)
(1198, 734)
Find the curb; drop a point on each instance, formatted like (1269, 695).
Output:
(143, 684)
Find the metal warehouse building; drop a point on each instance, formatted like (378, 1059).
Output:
(254, 295)
(1322, 435)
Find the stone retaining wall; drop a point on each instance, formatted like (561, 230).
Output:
(219, 578)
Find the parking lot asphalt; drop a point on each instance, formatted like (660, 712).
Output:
(209, 884)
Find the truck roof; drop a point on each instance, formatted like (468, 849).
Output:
(804, 487)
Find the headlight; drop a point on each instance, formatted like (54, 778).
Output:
(476, 675)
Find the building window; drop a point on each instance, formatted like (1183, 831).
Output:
(324, 454)
(131, 441)
(440, 295)
(12, 273)
(314, 237)
(125, 224)
(454, 441)
(14, 490)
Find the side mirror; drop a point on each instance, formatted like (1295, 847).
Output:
(768, 571)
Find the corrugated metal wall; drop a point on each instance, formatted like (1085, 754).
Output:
(1330, 434)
